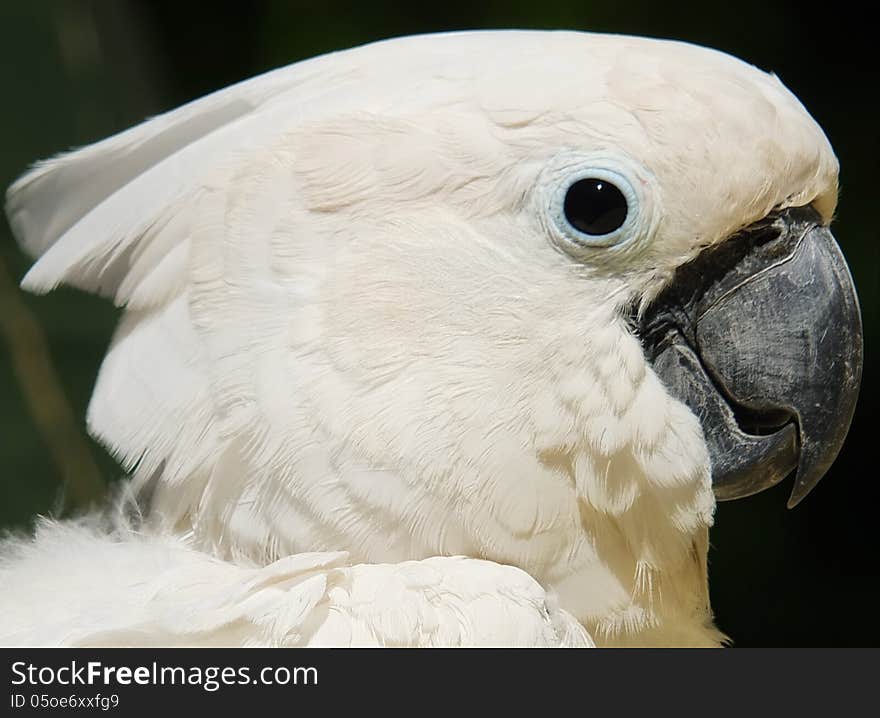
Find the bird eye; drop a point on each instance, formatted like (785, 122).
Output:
(597, 201)
(595, 206)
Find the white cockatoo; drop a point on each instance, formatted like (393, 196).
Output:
(443, 340)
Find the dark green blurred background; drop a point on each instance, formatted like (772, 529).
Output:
(74, 72)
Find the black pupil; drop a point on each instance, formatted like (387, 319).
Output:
(595, 206)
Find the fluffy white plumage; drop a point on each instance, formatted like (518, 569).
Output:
(161, 592)
(349, 327)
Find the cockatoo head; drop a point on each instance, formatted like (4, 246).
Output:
(517, 295)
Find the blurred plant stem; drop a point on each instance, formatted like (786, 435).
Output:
(45, 399)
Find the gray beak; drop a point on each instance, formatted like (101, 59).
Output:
(761, 337)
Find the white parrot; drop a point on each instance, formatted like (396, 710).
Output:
(444, 340)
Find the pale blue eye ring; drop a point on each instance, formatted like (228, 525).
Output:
(595, 207)
(598, 207)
